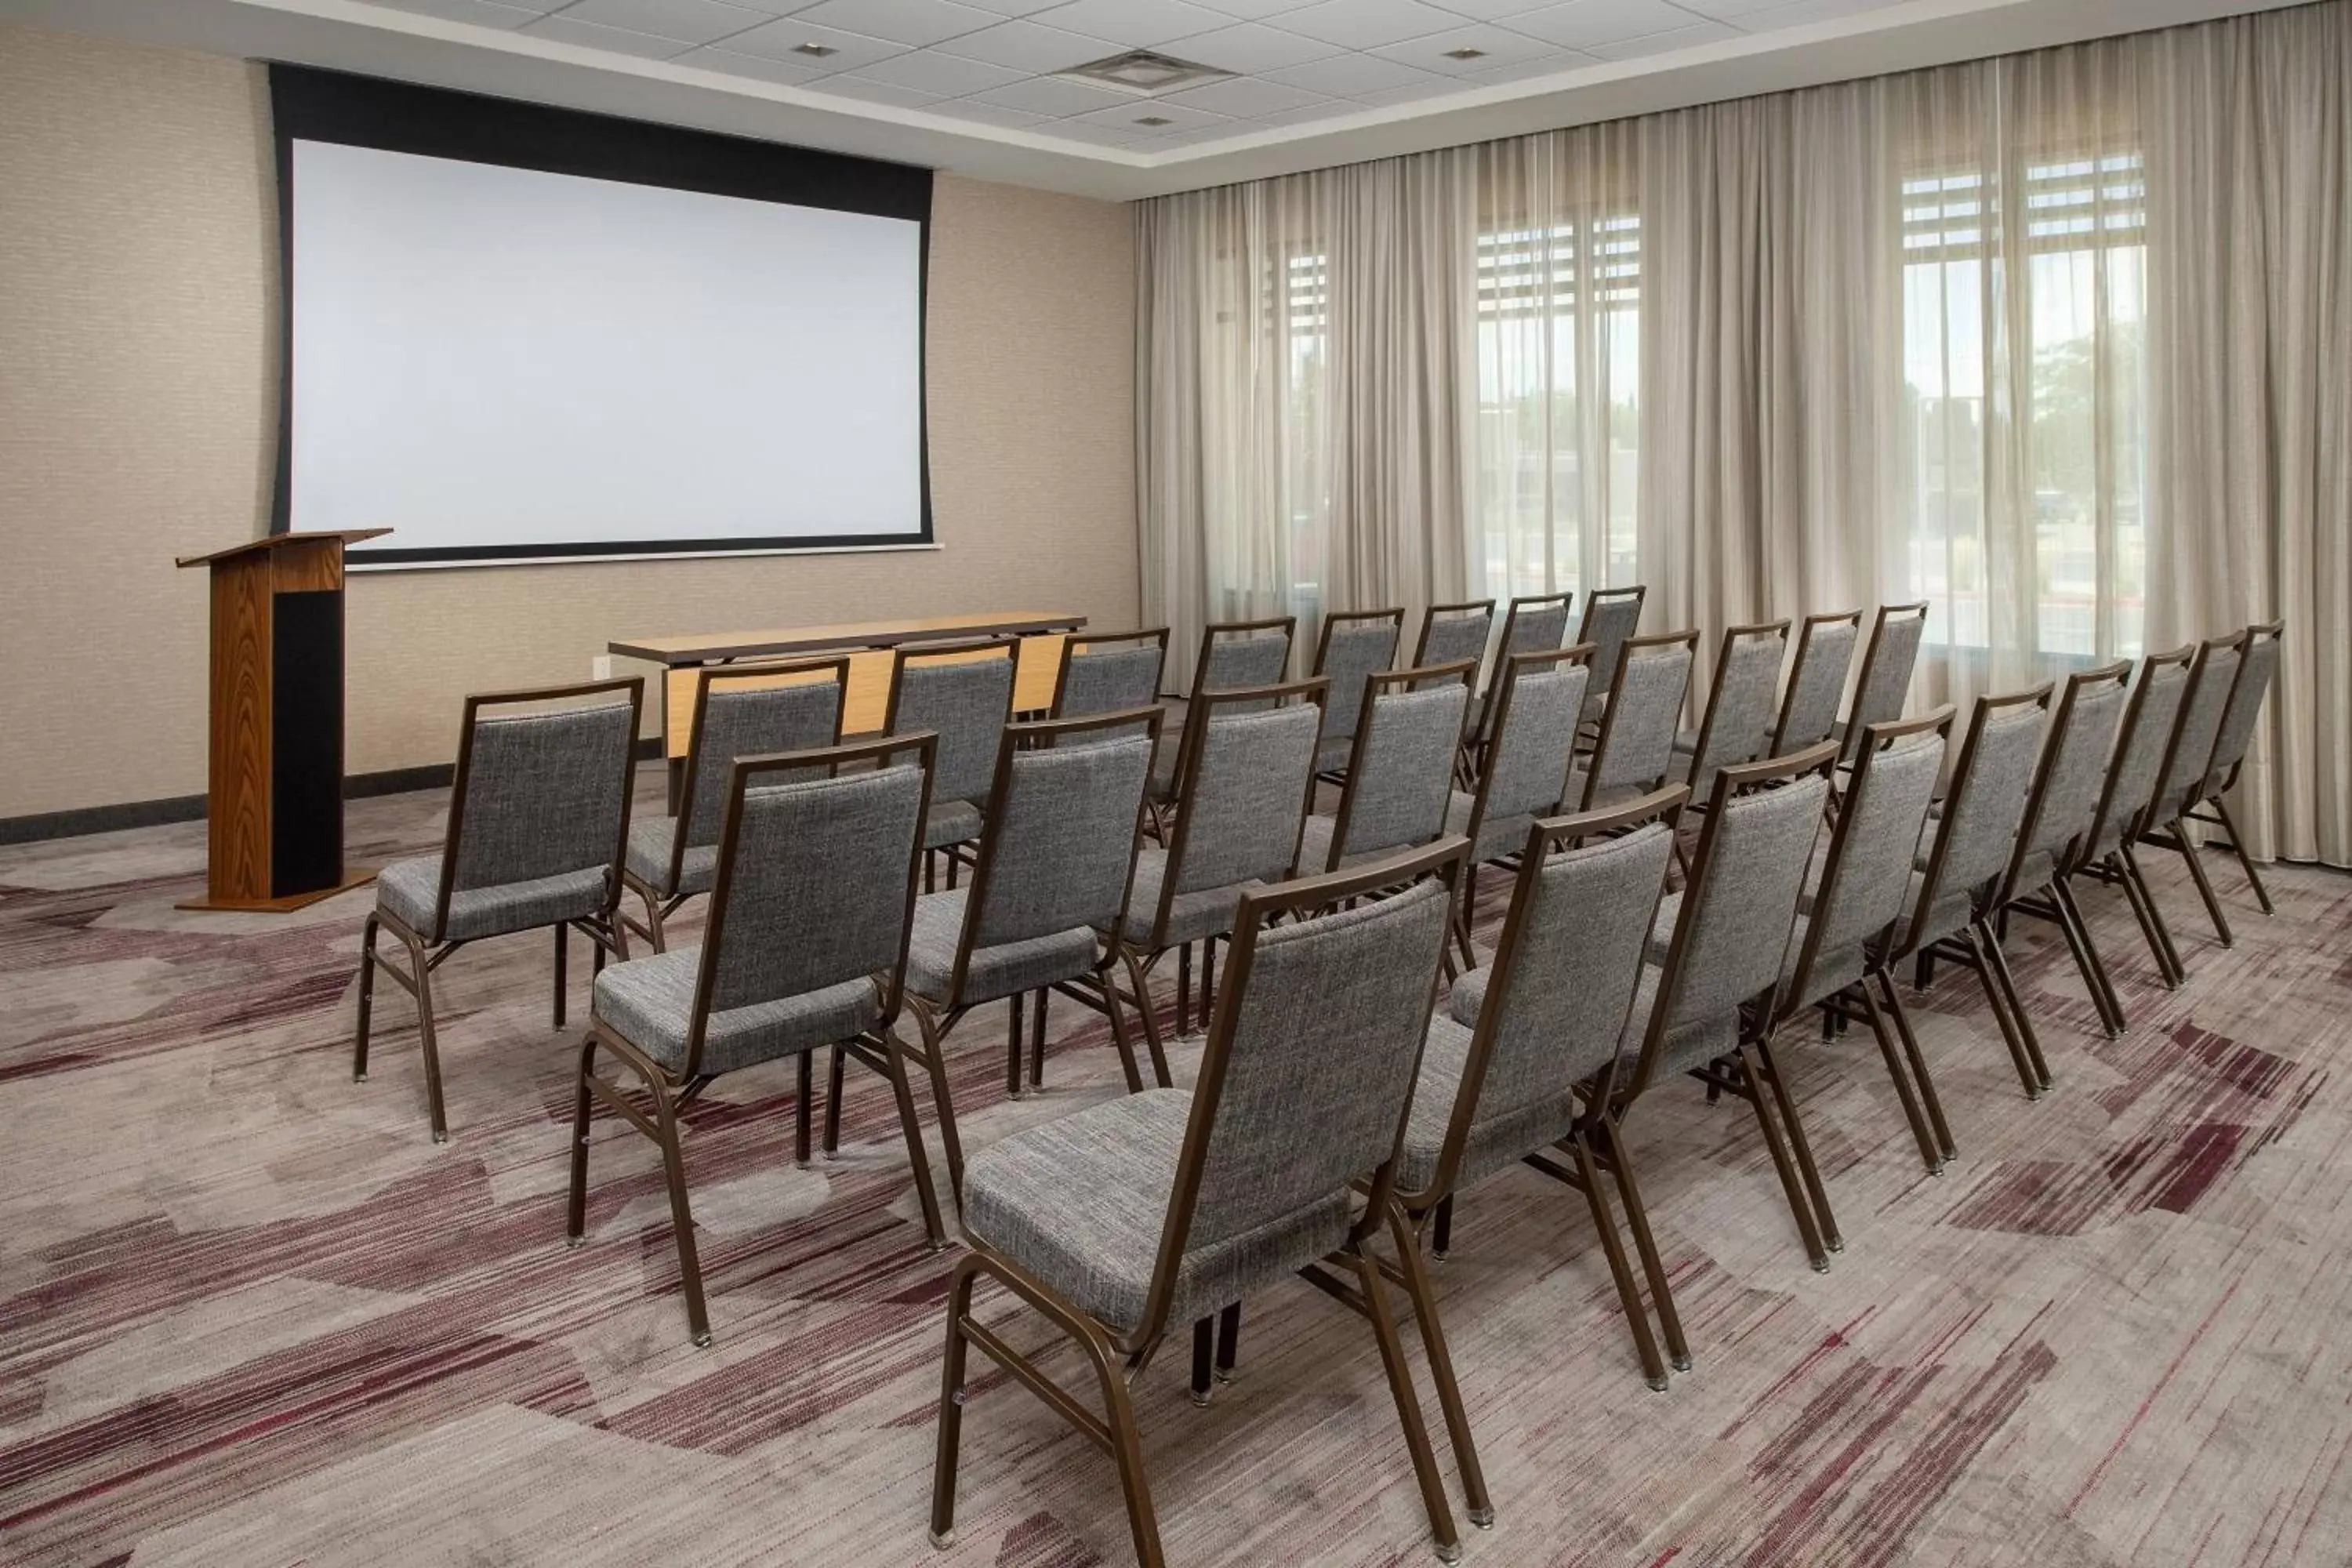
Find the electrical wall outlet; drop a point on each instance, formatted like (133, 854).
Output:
(601, 668)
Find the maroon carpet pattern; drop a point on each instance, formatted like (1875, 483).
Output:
(251, 1314)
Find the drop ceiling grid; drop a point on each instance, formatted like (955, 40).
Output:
(994, 62)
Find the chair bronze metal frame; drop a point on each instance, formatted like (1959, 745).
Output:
(1474, 743)
(1117, 1358)
(1599, 602)
(1337, 622)
(961, 650)
(1597, 760)
(1759, 744)
(1798, 667)
(2166, 826)
(2118, 820)
(658, 908)
(936, 1022)
(1482, 610)
(2223, 777)
(1856, 720)
(1506, 683)
(605, 933)
(1376, 686)
(671, 1092)
(1077, 644)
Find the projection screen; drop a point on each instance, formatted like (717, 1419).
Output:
(501, 361)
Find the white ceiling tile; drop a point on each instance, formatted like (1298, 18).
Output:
(990, 113)
(781, 40)
(1583, 24)
(1496, 10)
(1250, 98)
(1257, 10)
(1496, 48)
(1728, 9)
(1367, 24)
(481, 13)
(589, 35)
(1352, 76)
(1674, 38)
(1555, 63)
(1027, 47)
(783, 73)
(687, 21)
(1139, 24)
(1055, 96)
(1012, 7)
(1178, 117)
(942, 75)
(914, 22)
(1250, 47)
(1413, 91)
(770, 7)
(870, 91)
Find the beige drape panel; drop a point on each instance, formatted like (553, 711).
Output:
(2060, 342)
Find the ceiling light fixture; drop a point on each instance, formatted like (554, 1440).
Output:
(814, 51)
(1155, 119)
(1143, 73)
(1466, 53)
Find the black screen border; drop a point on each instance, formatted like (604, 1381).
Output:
(313, 105)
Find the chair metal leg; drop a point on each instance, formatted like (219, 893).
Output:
(1441, 1236)
(942, 1103)
(1107, 984)
(1037, 1041)
(1929, 1102)
(575, 1219)
(562, 950)
(1139, 980)
(1997, 957)
(421, 970)
(902, 1090)
(1184, 989)
(1229, 1335)
(1930, 1154)
(2245, 861)
(804, 1103)
(2212, 900)
(1204, 1358)
(1798, 1207)
(1013, 1049)
(1407, 1406)
(2086, 959)
(1480, 1506)
(1613, 1248)
(2168, 955)
(1637, 1220)
(1801, 1147)
(367, 1000)
(1979, 959)
(689, 1265)
(833, 1087)
(951, 1397)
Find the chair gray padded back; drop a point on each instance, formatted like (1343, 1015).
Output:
(817, 893)
(1328, 1019)
(1608, 622)
(753, 722)
(1878, 827)
(1539, 628)
(1111, 681)
(1352, 653)
(1886, 678)
(1639, 745)
(1982, 810)
(2257, 669)
(1534, 747)
(1061, 844)
(1557, 1002)
(1448, 639)
(2081, 750)
(1402, 776)
(1238, 663)
(1249, 798)
(1740, 710)
(965, 703)
(2193, 743)
(545, 794)
(2131, 785)
(1817, 686)
(1740, 910)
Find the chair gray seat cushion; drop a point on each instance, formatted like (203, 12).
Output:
(1079, 1203)
(1501, 1141)
(649, 1002)
(1332, 752)
(1206, 912)
(1163, 763)
(649, 847)
(1694, 1044)
(1951, 912)
(1469, 995)
(951, 821)
(407, 889)
(1315, 848)
(1616, 794)
(999, 971)
(1497, 836)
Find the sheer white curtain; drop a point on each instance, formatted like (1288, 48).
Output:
(2060, 342)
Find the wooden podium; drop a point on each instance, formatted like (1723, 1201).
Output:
(276, 787)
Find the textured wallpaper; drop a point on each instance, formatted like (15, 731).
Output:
(138, 371)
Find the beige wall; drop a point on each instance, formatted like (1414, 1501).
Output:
(138, 368)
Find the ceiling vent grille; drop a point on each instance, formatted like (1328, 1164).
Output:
(1144, 73)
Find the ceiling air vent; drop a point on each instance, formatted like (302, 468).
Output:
(1143, 73)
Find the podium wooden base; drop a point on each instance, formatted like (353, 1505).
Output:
(351, 878)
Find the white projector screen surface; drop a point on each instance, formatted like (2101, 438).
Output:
(490, 358)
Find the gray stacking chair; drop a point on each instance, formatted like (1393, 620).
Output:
(1884, 684)
(1245, 775)
(1354, 648)
(2257, 669)
(1952, 899)
(1635, 750)
(1109, 672)
(1398, 789)
(1522, 1041)
(1534, 623)
(1845, 944)
(1612, 617)
(1451, 633)
(1235, 656)
(2189, 762)
(960, 692)
(2059, 812)
(2104, 854)
(1809, 711)
(539, 825)
(1737, 725)
(1143, 1214)
(740, 711)
(1064, 820)
(1703, 1009)
(1538, 703)
(805, 947)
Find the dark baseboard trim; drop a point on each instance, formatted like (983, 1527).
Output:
(75, 823)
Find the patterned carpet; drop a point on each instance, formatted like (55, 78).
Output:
(249, 1314)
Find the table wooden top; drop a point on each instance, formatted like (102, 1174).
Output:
(703, 647)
